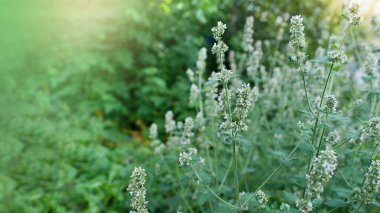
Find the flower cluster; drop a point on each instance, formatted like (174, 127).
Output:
(185, 158)
(190, 75)
(219, 48)
(137, 190)
(297, 35)
(329, 104)
(353, 15)
(169, 122)
(153, 131)
(232, 60)
(373, 177)
(304, 205)
(322, 171)
(187, 132)
(372, 183)
(200, 121)
(219, 30)
(245, 98)
(261, 198)
(156, 144)
(224, 75)
(333, 137)
(201, 62)
(211, 93)
(253, 62)
(337, 57)
(373, 128)
(371, 64)
(306, 68)
(223, 98)
(248, 35)
(194, 93)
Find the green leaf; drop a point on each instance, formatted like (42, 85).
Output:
(316, 202)
(290, 197)
(306, 147)
(245, 144)
(149, 71)
(336, 202)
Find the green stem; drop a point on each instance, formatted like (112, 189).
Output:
(226, 173)
(236, 172)
(320, 105)
(361, 204)
(212, 191)
(339, 145)
(320, 141)
(344, 178)
(306, 94)
(234, 152)
(262, 184)
(215, 146)
(272, 174)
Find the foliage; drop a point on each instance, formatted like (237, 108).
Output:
(75, 113)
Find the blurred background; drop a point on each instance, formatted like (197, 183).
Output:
(81, 81)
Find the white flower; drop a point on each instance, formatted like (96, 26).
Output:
(261, 198)
(190, 74)
(304, 205)
(188, 127)
(185, 158)
(245, 99)
(371, 64)
(211, 90)
(200, 121)
(248, 35)
(218, 31)
(219, 48)
(253, 62)
(222, 101)
(373, 177)
(224, 76)
(353, 15)
(329, 104)
(137, 190)
(322, 171)
(201, 62)
(333, 137)
(153, 131)
(337, 57)
(373, 128)
(297, 35)
(169, 122)
(194, 93)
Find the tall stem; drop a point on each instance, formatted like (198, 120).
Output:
(236, 172)
(306, 94)
(234, 152)
(309, 167)
(212, 191)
